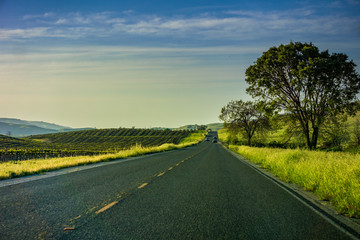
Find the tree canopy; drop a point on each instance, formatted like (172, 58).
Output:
(243, 116)
(311, 85)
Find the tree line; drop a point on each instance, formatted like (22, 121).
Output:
(297, 83)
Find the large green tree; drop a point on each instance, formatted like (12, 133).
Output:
(245, 117)
(310, 85)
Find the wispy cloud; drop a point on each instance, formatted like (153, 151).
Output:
(234, 25)
(61, 21)
(35, 32)
(45, 15)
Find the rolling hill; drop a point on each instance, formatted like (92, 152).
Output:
(39, 124)
(11, 142)
(215, 126)
(85, 142)
(110, 139)
(21, 128)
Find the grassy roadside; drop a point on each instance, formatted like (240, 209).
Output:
(331, 176)
(22, 168)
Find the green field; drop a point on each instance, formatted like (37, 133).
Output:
(11, 169)
(87, 142)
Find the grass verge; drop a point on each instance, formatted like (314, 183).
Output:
(28, 167)
(332, 176)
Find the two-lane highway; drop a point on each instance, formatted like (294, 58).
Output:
(201, 192)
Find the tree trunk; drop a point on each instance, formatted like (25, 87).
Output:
(315, 136)
(249, 139)
(307, 135)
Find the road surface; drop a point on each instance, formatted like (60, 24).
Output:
(201, 192)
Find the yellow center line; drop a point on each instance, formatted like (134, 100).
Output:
(76, 217)
(106, 207)
(69, 228)
(143, 185)
(160, 174)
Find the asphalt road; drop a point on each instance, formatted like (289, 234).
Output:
(201, 192)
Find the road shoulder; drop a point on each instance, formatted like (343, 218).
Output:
(350, 226)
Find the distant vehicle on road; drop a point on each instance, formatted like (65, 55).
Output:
(214, 140)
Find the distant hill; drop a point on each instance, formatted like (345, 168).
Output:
(21, 128)
(215, 126)
(40, 124)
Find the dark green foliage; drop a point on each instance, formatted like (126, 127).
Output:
(310, 85)
(243, 117)
(202, 127)
(275, 144)
(356, 133)
(334, 132)
(87, 142)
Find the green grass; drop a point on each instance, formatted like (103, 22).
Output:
(22, 168)
(223, 134)
(333, 176)
(194, 137)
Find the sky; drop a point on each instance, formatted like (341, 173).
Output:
(114, 63)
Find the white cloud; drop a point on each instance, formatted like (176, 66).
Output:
(6, 34)
(45, 15)
(235, 25)
(61, 21)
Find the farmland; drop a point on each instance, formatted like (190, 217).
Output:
(87, 142)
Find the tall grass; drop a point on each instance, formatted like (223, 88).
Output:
(333, 176)
(193, 138)
(28, 167)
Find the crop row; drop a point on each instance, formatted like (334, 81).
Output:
(24, 154)
(100, 134)
(88, 142)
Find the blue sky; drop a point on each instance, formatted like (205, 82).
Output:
(150, 63)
